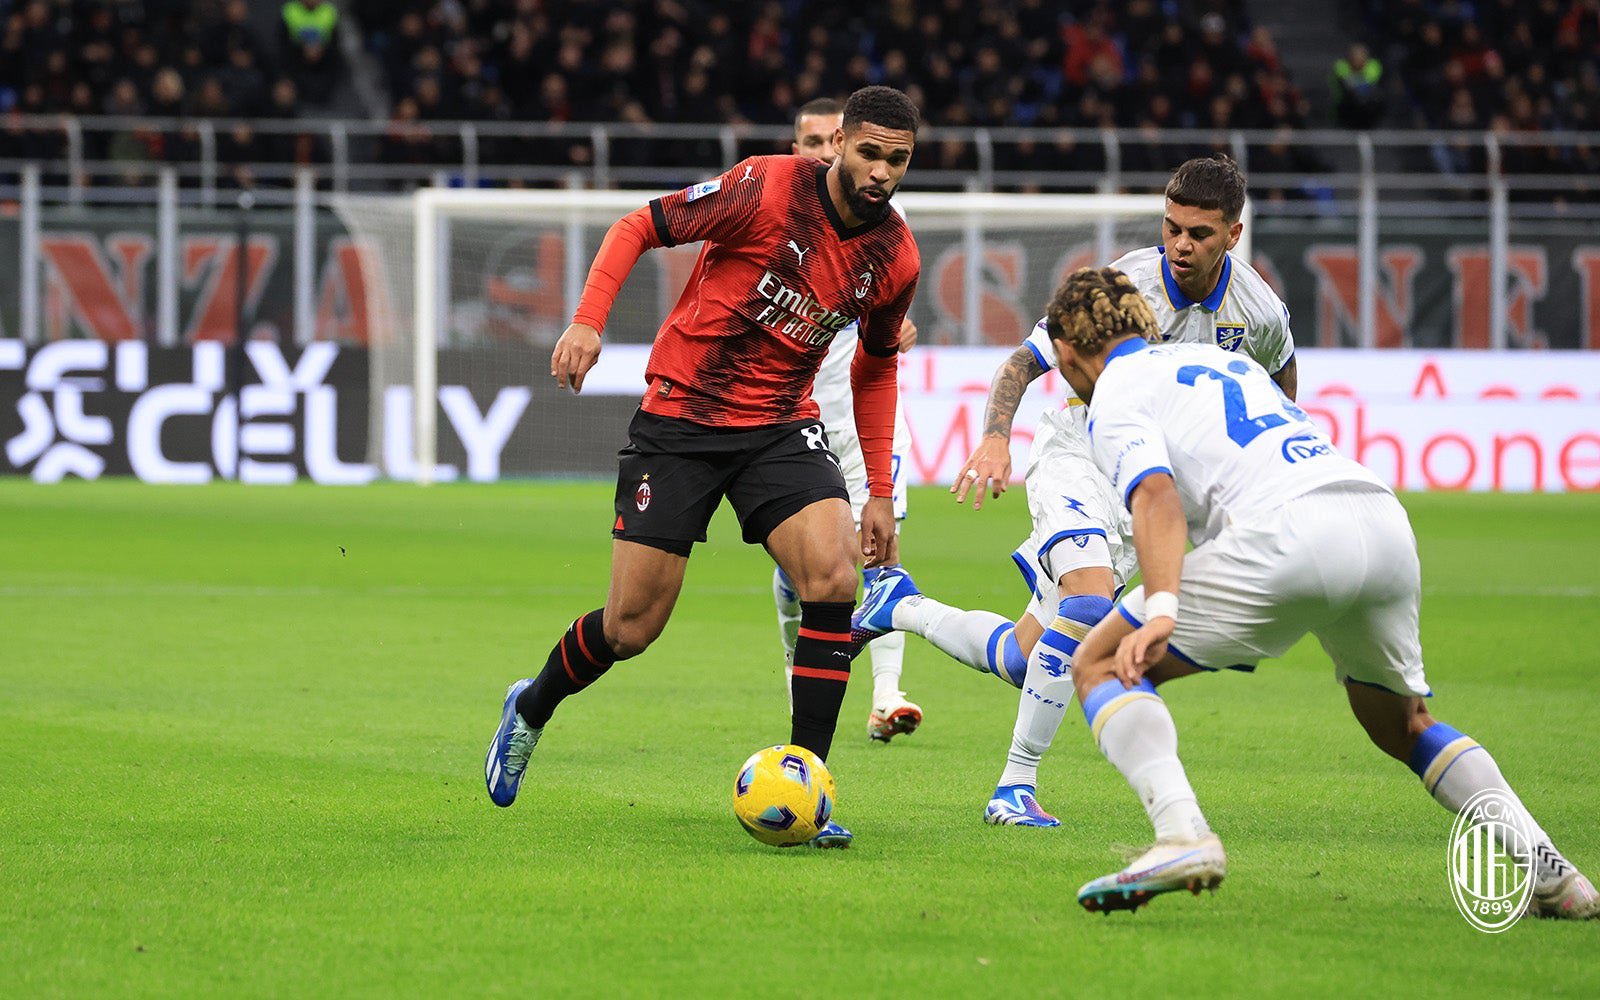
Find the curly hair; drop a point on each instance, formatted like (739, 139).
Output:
(1095, 306)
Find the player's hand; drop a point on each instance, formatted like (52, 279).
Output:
(989, 469)
(1142, 650)
(575, 353)
(880, 546)
(908, 335)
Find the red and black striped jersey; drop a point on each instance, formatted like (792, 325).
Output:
(778, 277)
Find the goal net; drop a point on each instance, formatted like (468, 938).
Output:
(470, 290)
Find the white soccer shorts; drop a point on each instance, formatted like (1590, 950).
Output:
(1339, 562)
(1078, 523)
(846, 447)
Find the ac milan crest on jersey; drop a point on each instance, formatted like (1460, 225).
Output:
(780, 275)
(641, 496)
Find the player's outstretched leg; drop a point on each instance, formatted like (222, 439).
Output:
(577, 660)
(1134, 730)
(892, 714)
(1454, 768)
(1046, 691)
(645, 582)
(982, 640)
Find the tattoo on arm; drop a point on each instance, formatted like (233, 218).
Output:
(1005, 393)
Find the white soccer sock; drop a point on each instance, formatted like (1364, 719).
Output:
(1454, 768)
(1136, 733)
(1046, 692)
(788, 604)
(1047, 688)
(964, 636)
(888, 660)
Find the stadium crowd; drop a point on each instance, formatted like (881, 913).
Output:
(1505, 65)
(1147, 65)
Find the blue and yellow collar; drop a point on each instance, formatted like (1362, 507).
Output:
(1212, 302)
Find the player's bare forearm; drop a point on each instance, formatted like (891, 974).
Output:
(988, 469)
(1288, 378)
(1005, 392)
(1160, 532)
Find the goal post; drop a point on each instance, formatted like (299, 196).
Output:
(483, 281)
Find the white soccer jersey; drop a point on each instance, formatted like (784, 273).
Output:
(1232, 441)
(1241, 314)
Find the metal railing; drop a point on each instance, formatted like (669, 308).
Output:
(1350, 176)
(350, 155)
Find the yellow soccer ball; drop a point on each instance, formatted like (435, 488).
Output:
(783, 795)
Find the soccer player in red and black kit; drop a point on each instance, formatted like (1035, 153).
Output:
(795, 250)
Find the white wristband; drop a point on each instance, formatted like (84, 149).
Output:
(1161, 605)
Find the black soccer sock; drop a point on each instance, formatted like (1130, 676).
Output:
(821, 671)
(577, 661)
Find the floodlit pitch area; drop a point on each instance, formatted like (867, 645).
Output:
(244, 733)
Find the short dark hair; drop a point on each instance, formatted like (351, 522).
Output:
(818, 106)
(884, 106)
(1210, 182)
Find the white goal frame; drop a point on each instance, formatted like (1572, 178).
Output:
(432, 208)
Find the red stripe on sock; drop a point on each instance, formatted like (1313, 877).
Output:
(577, 630)
(811, 633)
(562, 645)
(842, 676)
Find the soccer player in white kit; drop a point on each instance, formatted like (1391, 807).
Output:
(1289, 537)
(1080, 554)
(815, 125)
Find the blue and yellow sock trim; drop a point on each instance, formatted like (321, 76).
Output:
(1437, 750)
(1110, 698)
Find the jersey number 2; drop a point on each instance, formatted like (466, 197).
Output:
(1242, 427)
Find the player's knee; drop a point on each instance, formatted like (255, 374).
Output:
(833, 583)
(1392, 724)
(630, 634)
(1089, 672)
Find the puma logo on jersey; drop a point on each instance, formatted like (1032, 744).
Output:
(748, 170)
(800, 254)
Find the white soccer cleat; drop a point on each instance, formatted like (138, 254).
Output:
(1573, 898)
(1168, 866)
(893, 717)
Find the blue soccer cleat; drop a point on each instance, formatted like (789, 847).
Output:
(507, 759)
(832, 835)
(1015, 805)
(875, 617)
(1167, 867)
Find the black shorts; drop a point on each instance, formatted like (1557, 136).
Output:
(673, 474)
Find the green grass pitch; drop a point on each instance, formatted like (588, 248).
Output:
(243, 731)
